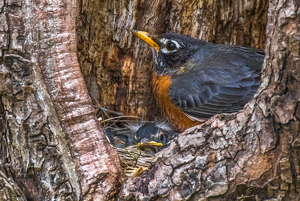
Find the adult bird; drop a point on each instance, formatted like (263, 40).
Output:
(194, 79)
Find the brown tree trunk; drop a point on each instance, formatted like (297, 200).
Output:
(51, 146)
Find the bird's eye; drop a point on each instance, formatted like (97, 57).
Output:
(162, 137)
(170, 46)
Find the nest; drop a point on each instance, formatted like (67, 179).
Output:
(130, 166)
(134, 161)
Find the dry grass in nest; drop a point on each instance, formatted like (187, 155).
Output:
(131, 167)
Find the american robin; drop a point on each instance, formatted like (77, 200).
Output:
(150, 147)
(118, 140)
(148, 135)
(158, 132)
(194, 79)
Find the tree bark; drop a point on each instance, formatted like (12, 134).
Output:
(52, 147)
(51, 144)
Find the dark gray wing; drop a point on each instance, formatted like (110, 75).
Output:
(223, 84)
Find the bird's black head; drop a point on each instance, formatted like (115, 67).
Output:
(170, 51)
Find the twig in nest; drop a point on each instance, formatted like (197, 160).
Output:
(109, 111)
(97, 102)
(127, 121)
(119, 118)
(138, 172)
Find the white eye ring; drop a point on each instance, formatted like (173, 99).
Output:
(165, 41)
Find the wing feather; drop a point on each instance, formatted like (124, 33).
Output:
(218, 79)
(202, 99)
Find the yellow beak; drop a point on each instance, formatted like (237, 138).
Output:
(151, 143)
(145, 36)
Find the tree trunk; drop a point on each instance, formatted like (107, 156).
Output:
(52, 147)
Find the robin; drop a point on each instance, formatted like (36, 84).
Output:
(158, 132)
(195, 80)
(150, 147)
(147, 135)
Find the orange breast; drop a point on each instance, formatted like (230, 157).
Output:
(175, 115)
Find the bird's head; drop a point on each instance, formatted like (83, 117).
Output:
(170, 51)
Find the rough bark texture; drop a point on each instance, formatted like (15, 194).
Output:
(249, 155)
(52, 147)
(117, 66)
